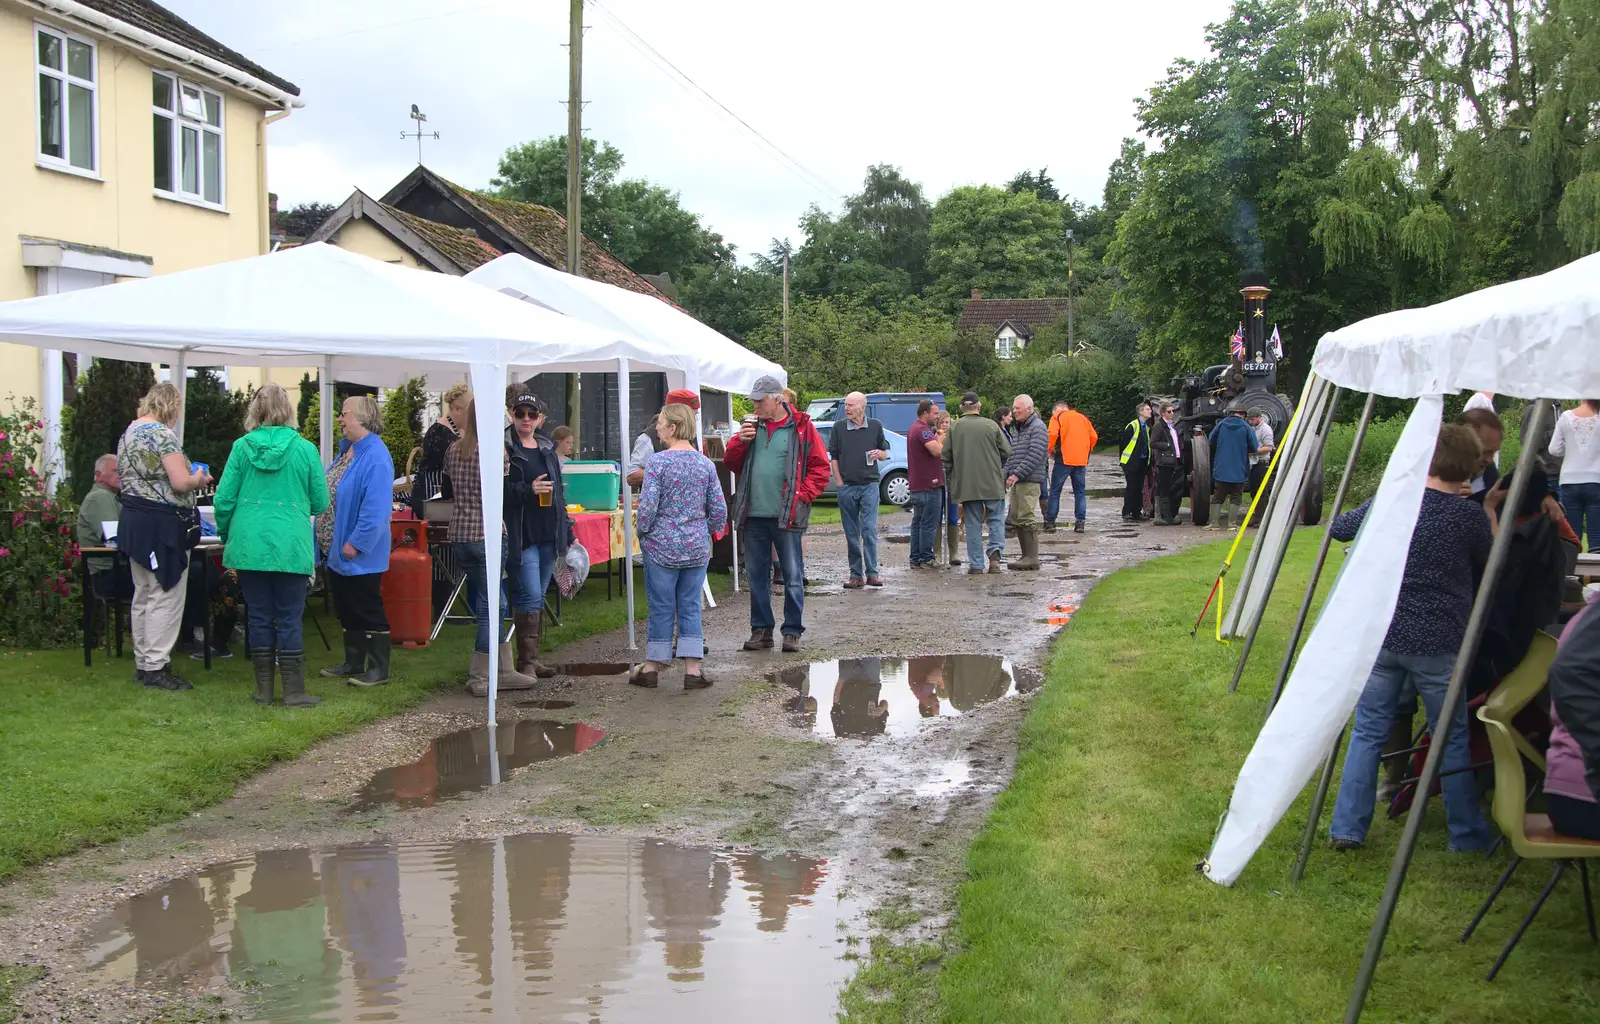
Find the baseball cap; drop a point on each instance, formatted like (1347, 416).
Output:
(971, 398)
(765, 387)
(1256, 413)
(527, 398)
(683, 396)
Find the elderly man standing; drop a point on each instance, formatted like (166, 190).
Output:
(782, 468)
(1263, 453)
(974, 460)
(1025, 477)
(855, 448)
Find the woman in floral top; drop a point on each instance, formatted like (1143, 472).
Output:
(680, 507)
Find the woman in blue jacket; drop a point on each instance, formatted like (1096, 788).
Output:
(358, 554)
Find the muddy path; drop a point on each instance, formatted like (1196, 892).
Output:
(757, 762)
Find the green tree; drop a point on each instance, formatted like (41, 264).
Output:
(308, 393)
(731, 298)
(644, 225)
(213, 418)
(107, 401)
(311, 419)
(402, 421)
(1039, 184)
(1006, 244)
(303, 220)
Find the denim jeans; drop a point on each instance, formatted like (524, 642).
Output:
(674, 596)
(927, 508)
(1375, 712)
(276, 602)
(1582, 503)
(761, 537)
(952, 509)
(858, 511)
(1060, 473)
(474, 561)
(975, 514)
(531, 580)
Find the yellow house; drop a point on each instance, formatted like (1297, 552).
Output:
(131, 144)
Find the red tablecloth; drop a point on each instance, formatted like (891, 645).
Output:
(593, 531)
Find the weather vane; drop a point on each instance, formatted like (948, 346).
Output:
(419, 117)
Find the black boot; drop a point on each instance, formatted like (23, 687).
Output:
(355, 656)
(377, 673)
(262, 659)
(293, 666)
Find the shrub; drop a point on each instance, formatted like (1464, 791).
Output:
(39, 594)
(1098, 384)
(1382, 436)
(108, 400)
(402, 421)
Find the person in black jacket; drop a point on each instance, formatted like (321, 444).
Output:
(1166, 445)
(538, 529)
(1134, 445)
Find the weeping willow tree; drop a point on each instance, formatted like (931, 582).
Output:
(1477, 147)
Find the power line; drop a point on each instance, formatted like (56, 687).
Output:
(795, 167)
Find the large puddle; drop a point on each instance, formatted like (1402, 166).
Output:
(866, 697)
(473, 759)
(528, 928)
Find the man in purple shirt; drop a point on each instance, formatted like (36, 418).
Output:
(924, 445)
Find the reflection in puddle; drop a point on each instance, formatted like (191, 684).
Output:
(866, 697)
(460, 762)
(534, 927)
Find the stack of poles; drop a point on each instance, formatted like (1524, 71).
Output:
(1452, 700)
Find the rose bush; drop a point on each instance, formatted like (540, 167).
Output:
(40, 597)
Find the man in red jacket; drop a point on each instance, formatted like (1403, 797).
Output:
(782, 467)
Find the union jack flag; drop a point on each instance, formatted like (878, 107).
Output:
(1236, 343)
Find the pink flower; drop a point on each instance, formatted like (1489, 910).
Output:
(8, 456)
(2, 435)
(16, 520)
(5, 552)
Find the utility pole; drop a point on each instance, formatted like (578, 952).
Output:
(786, 307)
(1070, 283)
(575, 195)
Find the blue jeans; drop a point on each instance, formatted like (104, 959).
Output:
(927, 508)
(531, 580)
(858, 511)
(953, 509)
(761, 537)
(674, 596)
(975, 513)
(1582, 502)
(1358, 789)
(276, 603)
(474, 561)
(1060, 473)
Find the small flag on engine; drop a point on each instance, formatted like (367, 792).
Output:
(1236, 343)
(1277, 343)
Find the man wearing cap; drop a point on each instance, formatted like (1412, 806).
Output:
(856, 448)
(647, 443)
(1263, 454)
(782, 467)
(974, 456)
(1232, 443)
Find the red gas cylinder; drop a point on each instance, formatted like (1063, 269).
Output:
(408, 585)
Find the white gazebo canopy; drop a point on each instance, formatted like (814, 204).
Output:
(715, 361)
(357, 318)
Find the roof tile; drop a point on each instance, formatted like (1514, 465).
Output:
(464, 248)
(1030, 313)
(157, 20)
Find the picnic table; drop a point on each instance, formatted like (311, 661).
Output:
(199, 554)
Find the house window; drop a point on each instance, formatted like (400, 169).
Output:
(66, 67)
(187, 123)
(1003, 346)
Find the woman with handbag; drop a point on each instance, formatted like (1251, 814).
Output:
(538, 529)
(158, 527)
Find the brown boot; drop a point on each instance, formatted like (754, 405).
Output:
(530, 630)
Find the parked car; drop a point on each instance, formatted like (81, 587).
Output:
(894, 484)
(896, 410)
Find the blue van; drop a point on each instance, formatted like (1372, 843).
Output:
(896, 410)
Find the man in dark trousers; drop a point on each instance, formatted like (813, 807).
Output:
(856, 448)
(1166, 445)
(1135, 445)
(1232, 444)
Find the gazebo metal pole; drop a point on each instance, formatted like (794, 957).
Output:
(180, 380)
(325, 410)
(1315, 814)
(733, 532)
(1441, 728)
(1316, 439)
(623, 384)
(1322, 553)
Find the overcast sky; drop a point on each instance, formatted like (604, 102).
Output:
(965, 97)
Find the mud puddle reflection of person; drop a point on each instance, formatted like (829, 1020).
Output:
(865, 697)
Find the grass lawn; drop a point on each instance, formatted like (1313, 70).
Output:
(825, 512)
(1083, 902)
(89, 757)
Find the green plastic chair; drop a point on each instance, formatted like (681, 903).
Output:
(1532, 836)
(1518, 689)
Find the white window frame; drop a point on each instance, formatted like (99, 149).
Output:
(1004, 346)
(64, 163)
(181, 120)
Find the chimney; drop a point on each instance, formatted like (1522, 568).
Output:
(272, 212)
(976, 294)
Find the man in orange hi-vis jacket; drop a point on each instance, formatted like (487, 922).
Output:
(1072, 438)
